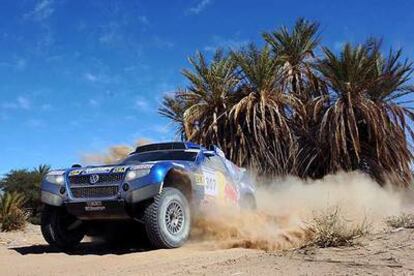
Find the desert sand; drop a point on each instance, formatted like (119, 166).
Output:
(25, 253)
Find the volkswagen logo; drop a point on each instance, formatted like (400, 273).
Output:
(94, 179)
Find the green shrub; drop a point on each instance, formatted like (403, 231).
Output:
(12, 214)
(27, 183)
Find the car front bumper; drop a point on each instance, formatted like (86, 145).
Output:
(99, 210)
(115, 207)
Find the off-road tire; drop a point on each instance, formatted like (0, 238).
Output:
(159, 233)
(54, 222)
(248, 203)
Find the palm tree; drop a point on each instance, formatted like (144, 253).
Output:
(42, 170)
(261, 135)
(282, 110)
(201, 109)
(363, 127)
(295, 51)
(173, 107)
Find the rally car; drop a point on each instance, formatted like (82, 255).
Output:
(159, 185)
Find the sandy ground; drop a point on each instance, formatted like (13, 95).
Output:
(25, 253)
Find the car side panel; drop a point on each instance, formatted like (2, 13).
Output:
(217, 186)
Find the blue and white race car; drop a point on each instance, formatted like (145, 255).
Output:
(159, 185)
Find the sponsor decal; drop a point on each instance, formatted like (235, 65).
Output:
(98, 170)
(211, 187)
(212, 183)
(217, 187)
(142, 167)
(75, 172)
(56, 173)
(94, 206)
(109, 169)
(230, 193)
(198, 179)
(120, 169)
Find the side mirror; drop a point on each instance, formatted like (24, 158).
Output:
(209, 153)
(216, 150)
(76, 166)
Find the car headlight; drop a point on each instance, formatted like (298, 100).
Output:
(55, 177)
(137, 172)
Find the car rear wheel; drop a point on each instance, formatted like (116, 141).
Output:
(167, 219)
(60, 229)
(248, 202)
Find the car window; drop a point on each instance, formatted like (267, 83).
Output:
(161, 155)
(231, 168)
(215, 163)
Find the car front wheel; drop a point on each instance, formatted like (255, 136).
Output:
(60, 229)
(167, 219)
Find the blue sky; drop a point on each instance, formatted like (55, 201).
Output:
(78, 76)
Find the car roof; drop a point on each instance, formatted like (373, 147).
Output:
(167, 146)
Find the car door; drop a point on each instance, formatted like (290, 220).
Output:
(218, 182)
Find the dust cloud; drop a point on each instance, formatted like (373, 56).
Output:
(286, 208)
(113, 154)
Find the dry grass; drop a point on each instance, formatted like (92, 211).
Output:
(331, 229)
(402, 221)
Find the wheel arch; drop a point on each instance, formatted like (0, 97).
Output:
(180, 179)
(248, 200)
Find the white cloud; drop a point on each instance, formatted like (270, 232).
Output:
(141, 104)
(199, 7)
(114, 32)
(111, 33)
(136, 67)
(21, 64)
(99, 78)
(338, 45)
(46, 107)
(162, 129)
(18, 64)
(3, 117)
(36, 123)
(45, 38)
(162, 43)
(90, 77)
(23, 102)
(94, 102)
(143, 19)
(220, 42)
(42, 10)
(130, 118)
(20, 103)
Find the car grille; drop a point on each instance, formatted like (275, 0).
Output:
(106, 186)
(103, 179)
(94, 192)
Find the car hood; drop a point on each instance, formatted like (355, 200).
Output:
(119, 168)
(105, 169)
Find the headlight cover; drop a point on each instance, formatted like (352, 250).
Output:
(56, 177)
(137, 172)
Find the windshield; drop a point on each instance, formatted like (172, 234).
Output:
(161, 155)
